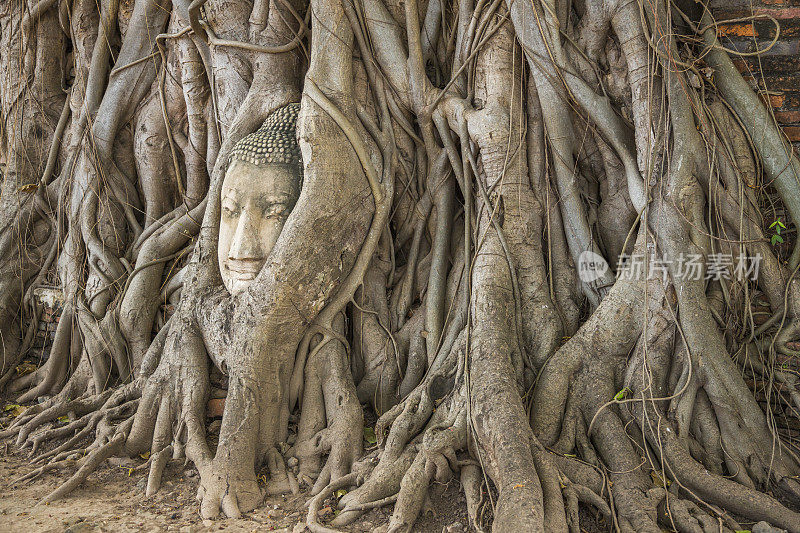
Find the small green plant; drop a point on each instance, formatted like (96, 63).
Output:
(777, 226)
(369, 435)
(621, 394)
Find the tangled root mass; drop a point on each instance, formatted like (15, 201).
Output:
(462, 160)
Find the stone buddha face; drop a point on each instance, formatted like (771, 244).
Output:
(260, 188)
(256, 201)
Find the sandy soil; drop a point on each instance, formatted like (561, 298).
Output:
(113, 500)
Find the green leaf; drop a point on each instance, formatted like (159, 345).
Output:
(781, 224)
(659, 480)
(369, 435)
(64, 419)
(621, 394)
(774, 223)
(776, 239)
(14, 410)
(25, 368)
(339, 493)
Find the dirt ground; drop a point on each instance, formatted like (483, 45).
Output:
(113, 500)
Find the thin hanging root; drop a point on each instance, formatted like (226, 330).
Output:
(93, 460)
(315, 504)
(157, 463)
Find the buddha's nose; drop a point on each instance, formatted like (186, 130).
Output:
(246, 243)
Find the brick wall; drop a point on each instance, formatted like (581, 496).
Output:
(777, 71)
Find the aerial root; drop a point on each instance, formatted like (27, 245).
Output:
(400, 448)
(406, 419)
(436, 459)
(90, 457)
(36, 439)
(411, 498)
(88, 423)
(28, 415)
(406, 468)
(323, 480)
(724, 492)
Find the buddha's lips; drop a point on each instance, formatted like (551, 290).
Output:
(244, 271)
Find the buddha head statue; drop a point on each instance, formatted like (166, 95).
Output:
(261, 185)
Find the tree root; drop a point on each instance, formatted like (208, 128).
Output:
(315, 503)
(93, 460)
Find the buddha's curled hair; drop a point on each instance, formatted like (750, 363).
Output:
(274, 142)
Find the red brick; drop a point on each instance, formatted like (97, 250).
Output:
(788, 117)
(739, 29)
(215, 408)
(778, 65)
(777, 100)
(792, 132)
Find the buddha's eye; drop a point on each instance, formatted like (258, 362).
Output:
(277, 211)
(230, 208)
